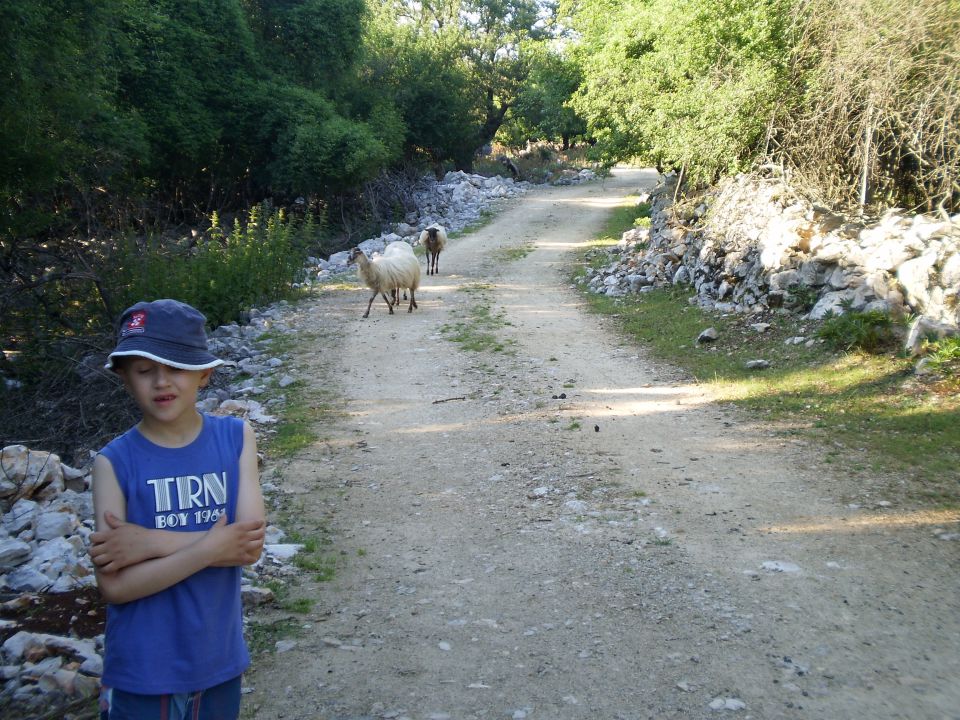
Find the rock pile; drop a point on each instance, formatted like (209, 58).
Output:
(455, 202)
(754, 245)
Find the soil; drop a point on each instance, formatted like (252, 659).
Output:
(568, 529)
(79, 614)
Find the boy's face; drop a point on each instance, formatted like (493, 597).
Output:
(163, 393)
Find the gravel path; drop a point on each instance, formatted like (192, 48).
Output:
(631, 550)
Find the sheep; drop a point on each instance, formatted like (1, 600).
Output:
(394, 248)
(433, 239)
(386, 274)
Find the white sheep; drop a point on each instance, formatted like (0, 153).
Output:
(387, 274)
(433, 239)
(394, 248)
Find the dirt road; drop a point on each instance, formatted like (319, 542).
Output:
(630, 550)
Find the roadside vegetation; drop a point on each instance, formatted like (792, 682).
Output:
(847, 388)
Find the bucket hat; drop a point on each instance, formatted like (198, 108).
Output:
(167, 331)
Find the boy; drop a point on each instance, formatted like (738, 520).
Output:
(179, 511)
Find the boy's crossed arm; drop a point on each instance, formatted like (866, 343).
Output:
(122, 544)
(133, 562)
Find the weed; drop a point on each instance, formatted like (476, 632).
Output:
(870, 331)
(299, 605)
(261, 636)
(305, 407)
(477, 332)
(574, 425)
(506, 254)
(944, 356)
(802, 297)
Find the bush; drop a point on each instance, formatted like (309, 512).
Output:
(944, 356)
(870, 331)
(256, 263)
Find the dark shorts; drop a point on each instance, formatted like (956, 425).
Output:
(221, 702)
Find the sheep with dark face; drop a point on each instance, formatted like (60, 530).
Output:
(434, 240)
(385, 274)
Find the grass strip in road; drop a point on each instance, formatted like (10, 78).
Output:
(306, 406)
(873, 415)
(478, 324)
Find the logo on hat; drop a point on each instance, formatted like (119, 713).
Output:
(136, 324)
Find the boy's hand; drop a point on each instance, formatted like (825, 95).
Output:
(119, 545)
(238, 543)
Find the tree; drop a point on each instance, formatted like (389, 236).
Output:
(542, 108)
(495, 31)
(467, 52)
(313, 43)
(429, 84)
(682, 83)
(61, 131)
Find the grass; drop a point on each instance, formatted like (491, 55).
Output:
(487, 216)
(305, 408)
(872, 412)
(262, 636)
(518, 252)
(477, 330)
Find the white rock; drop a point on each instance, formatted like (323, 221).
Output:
(27, 472)
(13, 552)
(22, 515)
(780, 566)
(27, 579)
(282, 551)
(55, 525)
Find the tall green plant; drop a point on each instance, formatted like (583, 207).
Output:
(258, 261)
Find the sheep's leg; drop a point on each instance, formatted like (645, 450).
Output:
(387, 301)
(413, 302)
(370, 304)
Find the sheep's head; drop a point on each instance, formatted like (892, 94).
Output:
(354, 254)
(432, 233)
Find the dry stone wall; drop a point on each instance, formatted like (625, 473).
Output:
(754, 245)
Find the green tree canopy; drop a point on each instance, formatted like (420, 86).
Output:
(682, 82)
(543, 105)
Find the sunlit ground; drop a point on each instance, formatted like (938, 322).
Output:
(862, 523)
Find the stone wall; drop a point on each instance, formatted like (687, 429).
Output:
(754, 245)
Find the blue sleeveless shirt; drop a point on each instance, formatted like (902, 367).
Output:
(190, 636)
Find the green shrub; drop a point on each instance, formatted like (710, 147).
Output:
(870, 331)
(944, 356)
(256, 263)
(803, 297)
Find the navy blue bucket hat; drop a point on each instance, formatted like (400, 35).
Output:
(167, 331)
